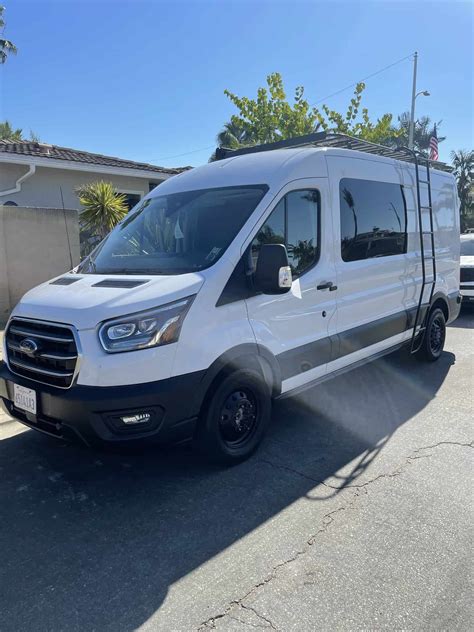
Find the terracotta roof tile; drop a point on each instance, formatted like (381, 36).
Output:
(42, 150)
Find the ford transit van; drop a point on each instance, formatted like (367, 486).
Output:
(235, 283)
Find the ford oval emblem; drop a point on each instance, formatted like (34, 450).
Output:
(28, 346)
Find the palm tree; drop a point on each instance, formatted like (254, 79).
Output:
(6, 47)
(104, 208)
(423, 130)
(463, 163)
(349, 200)
(303, 254)
(8, 133)
(232, 136)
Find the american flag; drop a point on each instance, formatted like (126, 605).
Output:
(434, 145)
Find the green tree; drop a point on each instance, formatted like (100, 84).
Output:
(381, 131)
(6, 46)
(15, 135)
(8, 133)
(270, 117)
(463, 163)
(423, 130)
(104, 208)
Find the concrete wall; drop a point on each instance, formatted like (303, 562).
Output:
(43, 189)
(34, 247)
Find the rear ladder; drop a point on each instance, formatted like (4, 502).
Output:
(428, 274)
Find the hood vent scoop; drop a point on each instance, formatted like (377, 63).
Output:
(65, 281)
(120, 283)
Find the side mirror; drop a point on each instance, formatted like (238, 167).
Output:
(273, 273)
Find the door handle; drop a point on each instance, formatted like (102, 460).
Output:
(328, 285)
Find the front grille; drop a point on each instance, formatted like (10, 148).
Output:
(52, 362)
(467, 274)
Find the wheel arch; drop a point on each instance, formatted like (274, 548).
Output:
(441, 301)
(245, 356)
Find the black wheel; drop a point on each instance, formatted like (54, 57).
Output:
(435, 335)
(235, 417)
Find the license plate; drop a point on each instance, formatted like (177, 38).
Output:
(24, 398)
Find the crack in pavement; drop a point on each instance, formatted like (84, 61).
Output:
(436, 445)
(393, 474)
(247, 623)
(327, 521)
(260, 616)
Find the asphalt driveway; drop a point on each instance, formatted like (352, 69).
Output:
(356, 514)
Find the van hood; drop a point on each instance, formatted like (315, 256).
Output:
(467, 261)
(84, 300)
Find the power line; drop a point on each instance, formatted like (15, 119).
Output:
(186, 153)
(352, 85)
(329, 96)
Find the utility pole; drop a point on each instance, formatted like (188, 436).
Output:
(413, 98)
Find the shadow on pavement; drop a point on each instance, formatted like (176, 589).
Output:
(93, 541)
(465, 319)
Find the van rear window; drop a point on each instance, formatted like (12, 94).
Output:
(373, 219)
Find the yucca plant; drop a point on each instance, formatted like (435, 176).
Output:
(104, 208)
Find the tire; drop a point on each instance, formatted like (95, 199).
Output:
(234, 418)
(434, 337)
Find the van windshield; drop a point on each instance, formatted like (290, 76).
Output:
(176, 233)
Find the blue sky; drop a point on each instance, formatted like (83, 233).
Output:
(144, 79)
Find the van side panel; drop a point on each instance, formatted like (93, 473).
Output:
(373, 294)
(377, 297)
(296, 327)
(447, 233)
(211, 331)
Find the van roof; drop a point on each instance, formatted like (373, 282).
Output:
(268, 167)
(332, 139)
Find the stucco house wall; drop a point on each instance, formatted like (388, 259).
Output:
(36, 244)
(38, 239)
(43, 188)
(42, 175)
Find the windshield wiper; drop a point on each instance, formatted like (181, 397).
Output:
(128, 271)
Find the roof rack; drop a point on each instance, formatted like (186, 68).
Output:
(334, 140)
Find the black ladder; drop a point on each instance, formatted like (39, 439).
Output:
(428, 284)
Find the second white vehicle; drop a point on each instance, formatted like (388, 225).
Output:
(467, 268)
(235, 283)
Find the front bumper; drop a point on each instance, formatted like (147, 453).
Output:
(467, 292)
(92, 414)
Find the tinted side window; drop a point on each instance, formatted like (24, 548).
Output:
(295, 223)
(373, 219)
(302, 229)
(272, 232)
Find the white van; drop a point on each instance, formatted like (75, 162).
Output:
(467, 268)
(244, 280)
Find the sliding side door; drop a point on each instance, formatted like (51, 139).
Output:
(370, 229)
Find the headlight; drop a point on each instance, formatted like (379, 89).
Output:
(152, 328)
